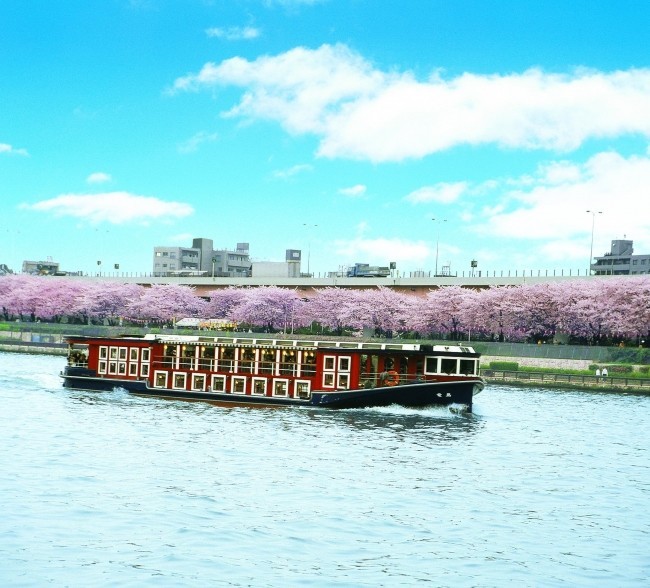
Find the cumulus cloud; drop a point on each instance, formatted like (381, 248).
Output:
(112, 207)
(98, 178)
(361, 112)
(285, 174)
(353, 191)
(382, 249)
(193, 143)
(442, 193)
(234, 33)
(552, 205)
(7, 149)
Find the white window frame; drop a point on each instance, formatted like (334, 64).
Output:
(144, 370)
(103, 352)
(234, 380)
(196, 378)
(329, 376)
(123, 353)
(133, 353)
(156, 375)
(256, 380)
(133, 369)
(112, 368)
(145, 355)
(437, 359)
(102, 367)
(297, 383)
(343, 381)
(181, 375)
(284, 381)
(221, 380)
(343, 359)
(121, 368)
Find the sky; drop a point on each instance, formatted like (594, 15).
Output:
(429, 133)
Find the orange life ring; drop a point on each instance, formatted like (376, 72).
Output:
(392, 378)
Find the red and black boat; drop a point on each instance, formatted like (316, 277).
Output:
(243, 370)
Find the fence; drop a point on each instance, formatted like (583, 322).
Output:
(582, 381)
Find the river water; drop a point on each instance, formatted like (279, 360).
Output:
(536, 487)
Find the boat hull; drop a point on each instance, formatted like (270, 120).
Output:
(409, 395)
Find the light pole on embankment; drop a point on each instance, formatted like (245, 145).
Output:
(593, 223)
(438, 221)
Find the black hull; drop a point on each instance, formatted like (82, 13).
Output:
(408, 395)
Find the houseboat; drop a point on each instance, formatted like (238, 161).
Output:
(328, 374)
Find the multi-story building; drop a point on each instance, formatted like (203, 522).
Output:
(202, 259)
(621, 261)
(290, 268)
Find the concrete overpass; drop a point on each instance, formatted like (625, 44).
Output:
(414, 286)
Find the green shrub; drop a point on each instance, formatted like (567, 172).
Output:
(630, 355)
(511, 366)
(644, 369)
(619, 369)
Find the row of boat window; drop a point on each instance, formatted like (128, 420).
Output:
(242, 360)
(233, 384)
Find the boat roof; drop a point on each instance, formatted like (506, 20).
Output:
(311, 344)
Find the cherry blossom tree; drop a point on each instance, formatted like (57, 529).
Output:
(270, 307)
(223, 301)
(165, 303)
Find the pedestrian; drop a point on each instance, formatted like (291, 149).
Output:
(604, 372)
(597, 374)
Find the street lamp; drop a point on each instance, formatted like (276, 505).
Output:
(444, 220)
(593, 222)
(308, 226)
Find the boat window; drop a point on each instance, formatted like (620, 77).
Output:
(179, 381)
(121, 368)
(448, 365)
(238, 385)
(206, 357)
(404, 365)
(144, 370)
(101, 368)
(468, 367)
(344, 364)
(160, 380)
(187, 356)
(344, 381)
(431, 365)
(247, 361)
(328, 380)
(227, 359)
(280, 387)
(133, 369)
(112, 367)
(259, 386)
(267, 364)
(133, 354)
(303, 389)
(198, 382)
(144, 356)
(169, 355)
(103, 352)
(122, 353)
(329, 362)
(219, 383)
(308, 363)
(113, 352)
(288, 362)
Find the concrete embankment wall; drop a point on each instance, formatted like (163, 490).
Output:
(542, 362)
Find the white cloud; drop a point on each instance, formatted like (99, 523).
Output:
(234, 33)
(284, 174)
(112, 207)
(361, 112)
(553, 207)
(443, 193)
(98, 178)
(193, 143)
(382, 250)
(11, 150)
(354, 191)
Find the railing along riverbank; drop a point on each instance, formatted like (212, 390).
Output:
(547, 379)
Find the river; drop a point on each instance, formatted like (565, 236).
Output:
(537, 487)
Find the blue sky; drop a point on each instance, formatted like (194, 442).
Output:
(339, 128)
